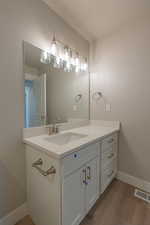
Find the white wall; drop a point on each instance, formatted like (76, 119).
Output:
(121, 63)
(32, 21)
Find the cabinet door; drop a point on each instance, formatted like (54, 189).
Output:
(73, 198)
(92, 183)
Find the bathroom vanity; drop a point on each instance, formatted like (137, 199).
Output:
(67, 172)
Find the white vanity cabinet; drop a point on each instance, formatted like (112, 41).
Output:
(66, 197)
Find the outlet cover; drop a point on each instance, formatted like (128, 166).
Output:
(108, 108)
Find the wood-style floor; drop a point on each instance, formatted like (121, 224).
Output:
(117, 206)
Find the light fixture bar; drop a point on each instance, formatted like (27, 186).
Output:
(64, 57)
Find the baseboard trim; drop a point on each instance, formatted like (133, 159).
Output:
(16, 215)
(134, 181)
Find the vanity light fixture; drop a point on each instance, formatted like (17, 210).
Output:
(64, 57)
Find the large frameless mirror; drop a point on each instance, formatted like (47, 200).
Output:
(52, 94)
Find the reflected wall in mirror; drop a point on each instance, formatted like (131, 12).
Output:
(52, 95)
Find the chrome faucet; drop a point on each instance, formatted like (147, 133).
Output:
(53, 129)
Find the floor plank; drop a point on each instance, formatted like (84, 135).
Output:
(117, 206)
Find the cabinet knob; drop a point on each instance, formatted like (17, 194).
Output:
(110, 141)
(110, 156)
(110, 174)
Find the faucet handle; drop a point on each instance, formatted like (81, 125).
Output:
(53, 128)
(50, 129)
(57, 128)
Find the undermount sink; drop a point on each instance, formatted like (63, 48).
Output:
(66, 138)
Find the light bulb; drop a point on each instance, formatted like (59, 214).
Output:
(77, 63)
(44, 57)
(68, 66)
(66, 54)
(81, 64)
(61, 55)
(82, 67)
(77, 68)
(72, 61)
(58, 60)
(61, 52)
(72, 58)
(53, 49)
(85, 65)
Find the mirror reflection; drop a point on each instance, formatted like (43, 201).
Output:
(52, 95)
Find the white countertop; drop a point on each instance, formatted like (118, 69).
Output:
(93, 132)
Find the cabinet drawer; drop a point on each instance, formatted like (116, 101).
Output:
(79, 158)
(108, 174)
(107, 156)
(109, 141)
